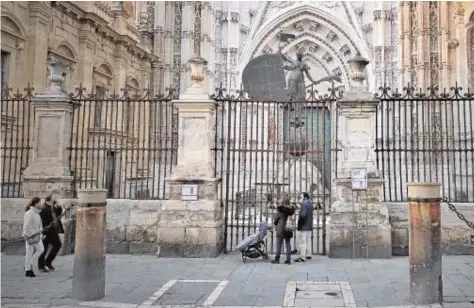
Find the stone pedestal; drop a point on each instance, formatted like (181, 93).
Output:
(193, 225)
(88, 281)
(49, 171)
(359, 224)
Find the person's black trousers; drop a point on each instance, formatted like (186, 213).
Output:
(53, 240)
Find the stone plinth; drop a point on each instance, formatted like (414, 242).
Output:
(359, 226)
(49, 171)
(193, 226)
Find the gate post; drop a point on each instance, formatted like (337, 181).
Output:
(88, 280)
(191, 223)
(426, 283)
(359, 226)
(49, 171)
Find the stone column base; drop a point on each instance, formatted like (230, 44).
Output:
(42, 186)
(359, 227)
(347, 243)
(192, 229)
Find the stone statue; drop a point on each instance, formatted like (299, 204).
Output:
(297, 68)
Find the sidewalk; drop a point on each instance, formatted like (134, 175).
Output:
(148, 281)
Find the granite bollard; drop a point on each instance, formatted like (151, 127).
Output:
(89, 257)
(426, 283)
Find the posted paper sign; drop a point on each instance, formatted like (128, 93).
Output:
(359, 179)
(189, 192)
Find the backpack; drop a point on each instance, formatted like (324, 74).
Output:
(290, 224)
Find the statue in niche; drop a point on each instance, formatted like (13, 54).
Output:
(297, 69)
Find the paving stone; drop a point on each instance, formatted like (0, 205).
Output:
(310, 302)
(133, 279)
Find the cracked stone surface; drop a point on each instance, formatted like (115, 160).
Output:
(133, 279)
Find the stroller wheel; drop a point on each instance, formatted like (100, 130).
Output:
(266, 257)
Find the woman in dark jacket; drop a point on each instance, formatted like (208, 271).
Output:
(284, 211)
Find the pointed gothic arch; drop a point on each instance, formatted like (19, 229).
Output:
(336, 34)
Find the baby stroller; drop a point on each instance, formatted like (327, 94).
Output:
(253, 246)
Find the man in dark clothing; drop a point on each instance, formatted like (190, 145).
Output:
(305, 226)
(49, 213)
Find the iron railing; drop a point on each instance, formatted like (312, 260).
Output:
(16, 139)
(126, 143)
(267, 149)
(426, 136)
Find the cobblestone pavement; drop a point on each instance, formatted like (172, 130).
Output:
(147, 281)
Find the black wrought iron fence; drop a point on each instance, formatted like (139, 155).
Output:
(126, 143)
(16, 138)
(426, 136)
(265, 148)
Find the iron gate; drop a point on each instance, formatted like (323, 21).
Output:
(267, 149)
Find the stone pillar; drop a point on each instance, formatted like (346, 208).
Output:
(191, 223)
(357, 136)
(426, 282)
(88, 282)
(49, 171)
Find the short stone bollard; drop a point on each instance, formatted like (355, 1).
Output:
(426, 283)
(89, 257)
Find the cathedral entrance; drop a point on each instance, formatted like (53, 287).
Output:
(268, 149)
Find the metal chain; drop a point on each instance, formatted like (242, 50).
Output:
(460, 216)
(21, 239)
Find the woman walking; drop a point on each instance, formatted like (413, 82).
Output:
(284, 227)
(32, 225)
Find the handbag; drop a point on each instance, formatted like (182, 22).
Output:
(33, 240)
(290, 224)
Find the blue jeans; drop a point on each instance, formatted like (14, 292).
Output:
(279, 242)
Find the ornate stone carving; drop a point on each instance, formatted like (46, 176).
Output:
(197, 28)
(337, 71)
(301, 47)
(331, 36)
(176, 77)
(377, 14)
(345, 50)
(235, 17)
(57, 69)
(313, 47)
(314, 26)
(367, 27)
(358, 64)
(197, 65)
(299, 26)
(267, 50)
(327, 57)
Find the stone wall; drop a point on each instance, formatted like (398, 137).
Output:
(133, 226)
(457, 237)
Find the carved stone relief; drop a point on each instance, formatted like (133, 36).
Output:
(299, 26)
(327, 57)
(331, 36)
